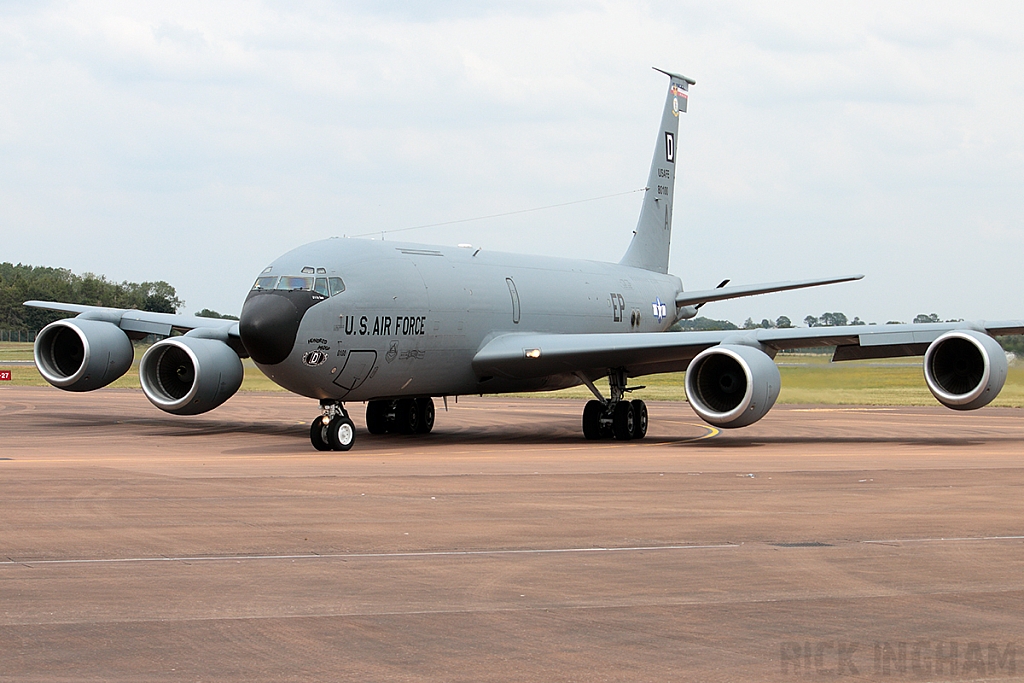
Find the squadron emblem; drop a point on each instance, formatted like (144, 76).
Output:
(660, 309)
(314, 358)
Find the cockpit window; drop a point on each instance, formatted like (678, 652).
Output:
(265, 282)
(293, 282)
(321, 285)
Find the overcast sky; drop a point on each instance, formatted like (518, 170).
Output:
(194, 142)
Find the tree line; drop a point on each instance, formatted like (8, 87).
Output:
(20, 283)
(827, 319)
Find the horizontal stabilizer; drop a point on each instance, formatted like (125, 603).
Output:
(722, 293)
(678, 77)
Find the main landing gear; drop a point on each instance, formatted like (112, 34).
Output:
(404, 416)
(332, 431)
(614, 417)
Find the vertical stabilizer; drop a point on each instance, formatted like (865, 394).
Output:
(649, 248)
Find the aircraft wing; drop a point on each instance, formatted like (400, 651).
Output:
(700, 297)
(529, 355)
(142, 322)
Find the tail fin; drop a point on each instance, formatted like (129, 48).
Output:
(649, 248)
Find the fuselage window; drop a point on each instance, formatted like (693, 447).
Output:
(292, 282)
(337, 285)
(321, 286)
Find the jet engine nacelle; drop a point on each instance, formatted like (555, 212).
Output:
(190, 375)
(82, 355)
(965, 369)
(732, 385)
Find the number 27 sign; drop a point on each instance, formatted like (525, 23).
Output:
(5, 375)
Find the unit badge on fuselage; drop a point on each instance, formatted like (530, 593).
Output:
(314, 358)
(660, 309)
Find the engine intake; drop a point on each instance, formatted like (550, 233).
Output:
(732, 385)
(82, 355)
(190, 375)
(965, 369)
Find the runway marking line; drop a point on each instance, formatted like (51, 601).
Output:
(543, 607)
(352, 556)
(711, 433)
(847, 410)
(959, 539)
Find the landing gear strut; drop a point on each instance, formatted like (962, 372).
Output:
(332, 431)
(614, 417)
(405, 416)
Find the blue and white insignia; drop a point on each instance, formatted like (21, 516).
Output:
(660, 309)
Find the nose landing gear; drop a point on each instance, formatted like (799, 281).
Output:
(332, 431)
(614, 417)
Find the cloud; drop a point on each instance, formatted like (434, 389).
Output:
(194, 142)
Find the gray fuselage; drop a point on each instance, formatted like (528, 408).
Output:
(412, 317)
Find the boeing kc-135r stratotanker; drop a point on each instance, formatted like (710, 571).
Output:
(394, 325)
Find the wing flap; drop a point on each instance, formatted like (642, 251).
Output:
(896, 338)
(854, 352)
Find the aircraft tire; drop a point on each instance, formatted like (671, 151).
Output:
(341, 433)
(318, 435)
(623, 422)
(592, 420)
(639, 418)
(407, 416)
(377, 417)
(425, 415)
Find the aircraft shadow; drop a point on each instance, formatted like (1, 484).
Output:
(552, 434)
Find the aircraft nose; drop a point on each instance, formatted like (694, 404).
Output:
(268, 325)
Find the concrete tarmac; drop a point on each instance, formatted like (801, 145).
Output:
(818, 544)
